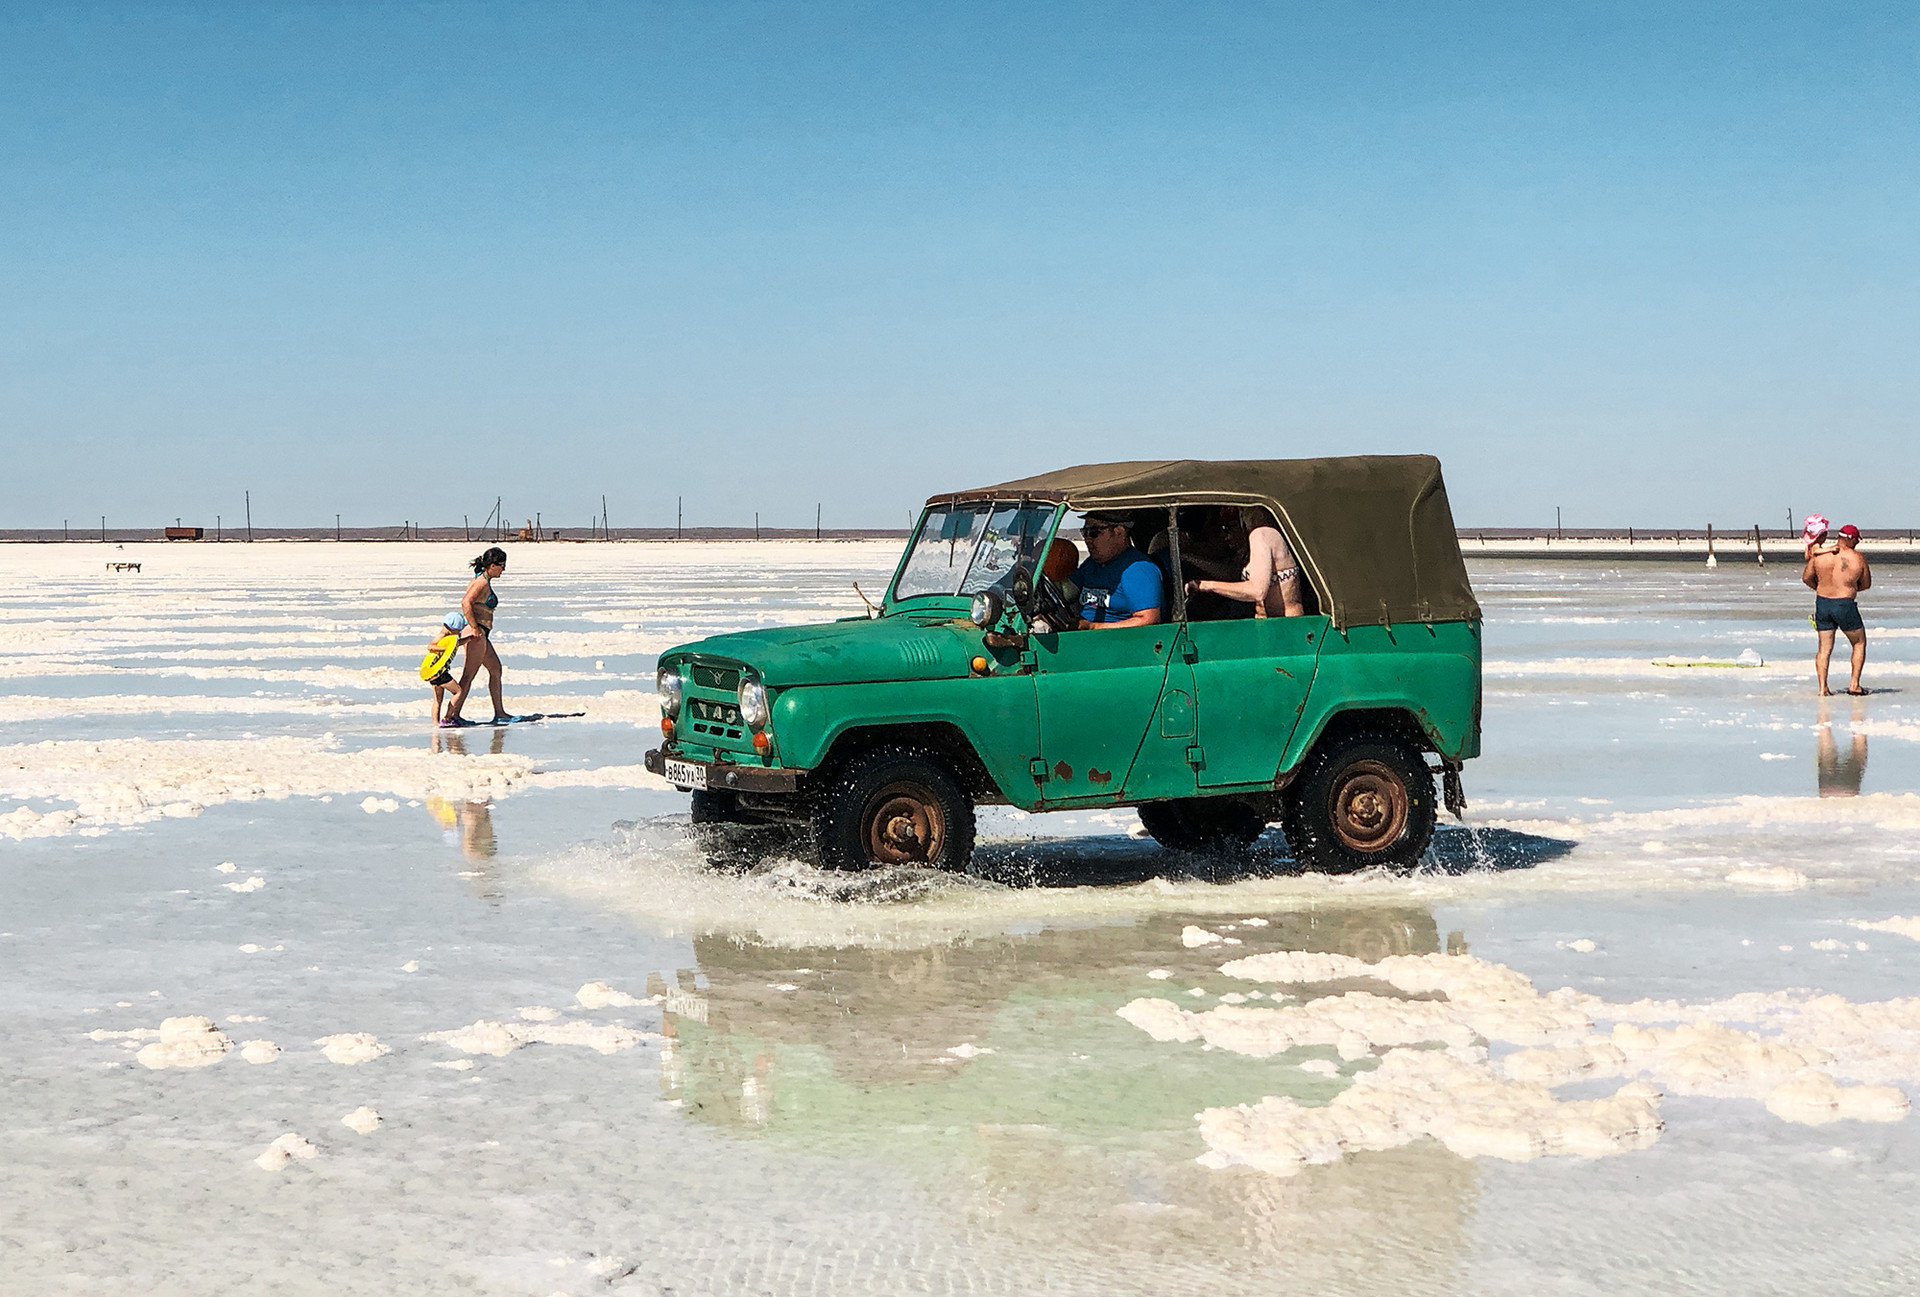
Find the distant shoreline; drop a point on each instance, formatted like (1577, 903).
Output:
(1898, 546)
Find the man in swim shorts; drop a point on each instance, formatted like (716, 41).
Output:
(1836, 572)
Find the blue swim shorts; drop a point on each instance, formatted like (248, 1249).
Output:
(1836, 614)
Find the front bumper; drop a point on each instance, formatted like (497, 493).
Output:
(743, 779)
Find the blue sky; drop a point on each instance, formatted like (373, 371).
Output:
(1653, 264)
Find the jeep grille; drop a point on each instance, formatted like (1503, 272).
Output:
(724, 678)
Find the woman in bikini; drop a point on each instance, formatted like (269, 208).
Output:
(1271, 580)
(477, 606)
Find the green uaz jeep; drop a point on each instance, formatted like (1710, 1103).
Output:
(881, 734)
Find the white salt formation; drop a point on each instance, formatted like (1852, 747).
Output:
(259, 1051)
(1810, 1059)
(1449, 1095)
(185, 1042)
(598, 995)
(362, 1119)
(501, 1038)
(1897, 925)
(351, 1048)
(115, 783)
(1778, 878)
(284, 1150)
(253, 884)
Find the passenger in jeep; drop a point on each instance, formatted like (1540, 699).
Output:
(1119, 585)
(1271, 578)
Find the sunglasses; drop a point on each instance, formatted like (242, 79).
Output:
(1094, 530)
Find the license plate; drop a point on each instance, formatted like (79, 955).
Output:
(686, 774)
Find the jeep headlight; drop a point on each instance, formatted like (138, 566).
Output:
(669, 684)
(986, 610)
(753, 703)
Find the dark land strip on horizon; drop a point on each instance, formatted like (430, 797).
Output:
(1610, 544)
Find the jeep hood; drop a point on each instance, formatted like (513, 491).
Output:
(848, 652)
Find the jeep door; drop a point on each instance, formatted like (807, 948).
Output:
(1250, 679)
(1098, 691)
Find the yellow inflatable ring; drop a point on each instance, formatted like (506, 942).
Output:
(439, 656)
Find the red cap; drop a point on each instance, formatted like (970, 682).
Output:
(1850, 531)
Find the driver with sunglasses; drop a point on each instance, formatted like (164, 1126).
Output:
(1119, 585)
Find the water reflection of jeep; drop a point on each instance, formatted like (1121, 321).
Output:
(867, 1017)
(996, 1068)
(881, 734)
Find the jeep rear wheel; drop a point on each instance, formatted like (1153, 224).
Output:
(1362, 801)
(1202, 825)
(893, 806)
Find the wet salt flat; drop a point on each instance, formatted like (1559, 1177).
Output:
(297, 995)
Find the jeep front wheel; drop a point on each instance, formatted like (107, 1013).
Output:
(893, 806)
(1362, 801)
(1202, 825)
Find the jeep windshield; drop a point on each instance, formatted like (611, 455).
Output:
(963, 549)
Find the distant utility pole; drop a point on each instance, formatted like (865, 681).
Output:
(816, 522)
(216, 528)
(679, 514)
(1556, 523)
(604, 533)
(756, 524)
(63, 530)
(103, 529)
(336, 528)
(249, 517)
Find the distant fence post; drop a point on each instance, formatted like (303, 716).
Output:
(1758, 553)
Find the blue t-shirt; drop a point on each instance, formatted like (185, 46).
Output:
(1115, 591)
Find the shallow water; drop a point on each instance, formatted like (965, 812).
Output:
(900, 1081)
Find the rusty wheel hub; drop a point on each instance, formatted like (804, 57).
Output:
(1370, 806)
(904, 826)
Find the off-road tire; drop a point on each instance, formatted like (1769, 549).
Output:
(1206, 826)
(1364, 800)
(893, 806)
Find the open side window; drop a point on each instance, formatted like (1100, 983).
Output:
(1209, 542)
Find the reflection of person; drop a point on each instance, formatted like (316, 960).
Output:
(1119, 585)
(1836, 572)
(1270, 580)
(471, 821)
(477, 606)
(1841, 776)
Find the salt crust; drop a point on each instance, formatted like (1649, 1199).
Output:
(363, 1119)
(501, 1038)
(284, 1150)
(1777, 878)
(1898, 925)
(1795, 1059)
(259, 1051)
(185, 1042)
(351, 1048)
(115, 783)
(598, 995)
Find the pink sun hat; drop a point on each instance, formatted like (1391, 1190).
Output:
(1816, 527)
